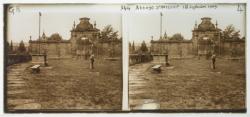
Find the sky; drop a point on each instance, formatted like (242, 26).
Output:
(138, 25)
(144, 24)
(24, 22)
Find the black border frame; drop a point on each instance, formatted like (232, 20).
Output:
(21, 111)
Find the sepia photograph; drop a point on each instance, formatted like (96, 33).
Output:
(63, 57)
(187, 57)
(125, 57)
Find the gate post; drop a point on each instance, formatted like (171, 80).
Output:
(166, 60)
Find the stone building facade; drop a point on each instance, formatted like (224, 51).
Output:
(83, 35)
(206, 39)
(84, 40)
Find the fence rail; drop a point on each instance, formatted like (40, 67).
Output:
(139, 58)
(17, 58)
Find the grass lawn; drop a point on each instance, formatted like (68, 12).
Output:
(192, 84)
(70, 84)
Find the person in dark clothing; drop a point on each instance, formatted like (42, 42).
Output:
(213, 60)
(92, 59)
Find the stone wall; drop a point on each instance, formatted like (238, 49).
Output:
(139, 58)
(109, 49)
(53, 50)
(101, 49)
(17, 58)
(174, 49)
(233, 48)
(230, 48)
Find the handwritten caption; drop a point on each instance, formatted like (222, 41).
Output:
(168, 6)
(145, 7)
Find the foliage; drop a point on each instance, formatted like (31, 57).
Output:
(21, 47)
(11, 46)
(55, 37)
(231, 33)
(7, 46)
(144, 47)
(133, 47)
(177, 37)
(108, 34)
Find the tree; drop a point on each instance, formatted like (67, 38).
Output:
(21, 47)
(130, 47)
(108, 33)
(133, 47)
(7, 47)
(228, 31)
(144, 47)
(231, 33)
(236, 35)
(11, 46)
(177, 37)
(55, 37)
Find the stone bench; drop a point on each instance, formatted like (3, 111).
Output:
(157, 68)
(35, 68)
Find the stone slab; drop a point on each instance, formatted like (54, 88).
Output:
(16, 92)
(16, 82)
(29, 106)
(15, 85)
(19, 101)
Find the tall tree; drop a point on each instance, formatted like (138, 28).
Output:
(231, 33)
(133, 46)
(11, 46)
(7, 47)
(144, 47)
(108, 33)
(21, 47)
(130, 47)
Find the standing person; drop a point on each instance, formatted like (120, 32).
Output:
(213, 60)
(92, 59)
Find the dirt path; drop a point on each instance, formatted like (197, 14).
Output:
(142, 89)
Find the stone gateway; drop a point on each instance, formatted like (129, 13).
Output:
(84, 41)
(207, 38)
